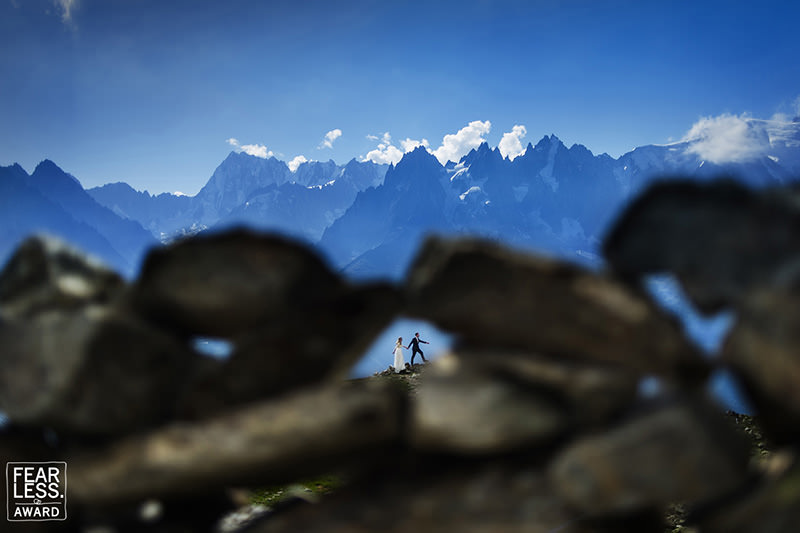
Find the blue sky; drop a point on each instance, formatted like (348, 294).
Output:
(157, 92)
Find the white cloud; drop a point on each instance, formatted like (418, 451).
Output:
(329, 138)
(410, 144)
(456, 145)
(384, 154)
(788, 112)
(387, 153)
(257, 150)
(511, 145)
(296, 162)
(384, 137)
(66, 9)
(726, 139)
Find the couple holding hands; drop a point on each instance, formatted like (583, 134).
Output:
(399, 360)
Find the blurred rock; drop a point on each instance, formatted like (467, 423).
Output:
(440, 497)
(763, 348)
(684, 452)
(492, 296)
(295, 350)
(46, 274)
(772, 507)
(93, 370)
(534, 423)
(308, 432)
(592, 394)
(226, 284)
(459, 410)
(720, 239)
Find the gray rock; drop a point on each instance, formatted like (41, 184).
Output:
(772, 507)
(309, 432)
(46, 274)
(225, 284)
(295, 350)
(492, 296)
(439, 497)
(459, 410)
(94, 370)
(762, 349)
(593, 394)
(720, 239)
(685, 452)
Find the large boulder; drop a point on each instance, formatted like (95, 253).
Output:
(492, 296)
(229, 283)
(720, 239)
(592, 394)
(296, 350)
(773, 506)
(94, 370)
(684, 452)
(460, 410)
(763, 348)
(72, 356)
(308, 432)
(439, 496)
(45, 273)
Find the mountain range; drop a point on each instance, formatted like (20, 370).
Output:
(54, 202)
(369, 219)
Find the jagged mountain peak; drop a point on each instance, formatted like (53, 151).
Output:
(47, 165)
(419, 153)
(580, 149)
(244, 156)
(483, 147)
(482, 152)
(355, 163)
(547, 141)
(418, 156)
(51, 175)
(14, 171)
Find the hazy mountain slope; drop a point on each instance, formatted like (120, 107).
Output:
(25, 211)
(245, 189)
(163, 215)
(408, 204)
(127, 236)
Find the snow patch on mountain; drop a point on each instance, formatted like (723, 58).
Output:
(547, 172)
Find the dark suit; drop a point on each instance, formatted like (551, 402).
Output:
(415, 350)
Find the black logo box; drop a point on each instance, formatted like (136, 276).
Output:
(36, 491)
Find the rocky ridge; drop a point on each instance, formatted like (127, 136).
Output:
(534, 421)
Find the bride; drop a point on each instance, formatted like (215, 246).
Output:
(399, 360)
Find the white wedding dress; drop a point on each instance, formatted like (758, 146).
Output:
(399, 360)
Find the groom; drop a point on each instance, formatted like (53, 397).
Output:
(415, 343)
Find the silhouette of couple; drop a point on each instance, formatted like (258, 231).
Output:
(399, 360)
